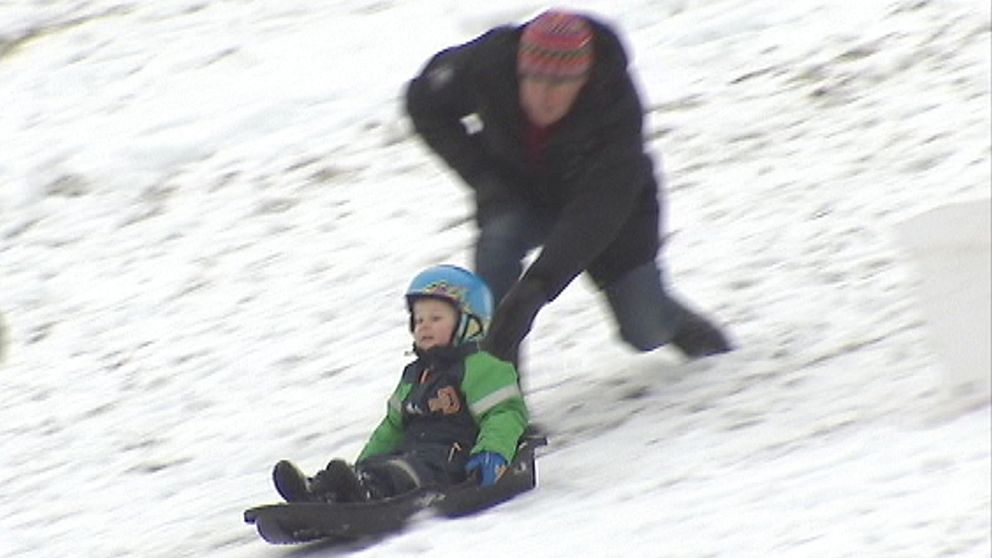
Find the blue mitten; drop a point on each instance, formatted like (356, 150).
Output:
(490, 466)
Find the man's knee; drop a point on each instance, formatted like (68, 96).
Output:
(647, 317)
(502, 244)
(505, 236)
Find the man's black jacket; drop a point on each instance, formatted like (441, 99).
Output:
(595, 183)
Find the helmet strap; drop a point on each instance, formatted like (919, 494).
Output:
(470, 325)
(458, 336)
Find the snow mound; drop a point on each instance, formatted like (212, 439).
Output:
(951, 247)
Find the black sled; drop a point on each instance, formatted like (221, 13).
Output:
(292, 523)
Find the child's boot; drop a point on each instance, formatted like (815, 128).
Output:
(338, 482)
(291, 483)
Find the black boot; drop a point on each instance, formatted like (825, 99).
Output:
(338, 482)
(698, 338)
(291, 483)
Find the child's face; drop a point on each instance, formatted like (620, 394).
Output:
(434, 323)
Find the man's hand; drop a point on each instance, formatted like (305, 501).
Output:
(513, 319)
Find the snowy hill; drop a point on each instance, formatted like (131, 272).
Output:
(209, 212)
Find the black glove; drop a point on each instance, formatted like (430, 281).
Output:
(513, 319)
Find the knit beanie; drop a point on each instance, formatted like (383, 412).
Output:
(557, 45)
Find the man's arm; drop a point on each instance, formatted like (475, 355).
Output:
(602, 199)
(439, 98)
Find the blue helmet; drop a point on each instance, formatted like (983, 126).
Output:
(466, 291)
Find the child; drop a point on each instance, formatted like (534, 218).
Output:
(456, 411)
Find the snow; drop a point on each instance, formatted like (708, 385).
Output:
(209, 212)
(951, 248)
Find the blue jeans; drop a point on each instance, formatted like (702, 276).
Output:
(646, 315)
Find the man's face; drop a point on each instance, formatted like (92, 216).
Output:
(547, 100)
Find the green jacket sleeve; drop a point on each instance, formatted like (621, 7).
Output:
(388, 435)
(494, 399)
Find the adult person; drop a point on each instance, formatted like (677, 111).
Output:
(544, 124)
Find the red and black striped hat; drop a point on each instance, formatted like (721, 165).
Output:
(555, 44)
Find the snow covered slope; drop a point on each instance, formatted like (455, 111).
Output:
(209, 212)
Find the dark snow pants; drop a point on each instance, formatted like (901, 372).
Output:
(420, 465)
